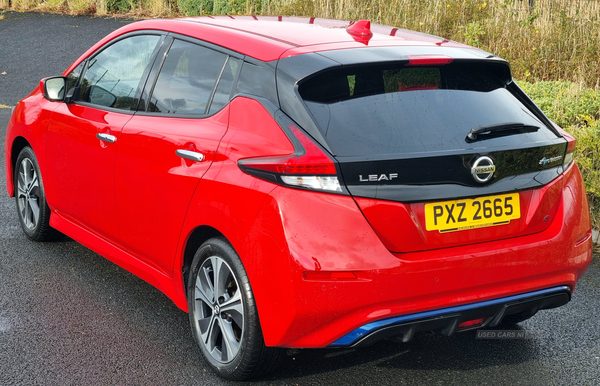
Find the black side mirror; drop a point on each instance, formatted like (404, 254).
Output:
(54, 88)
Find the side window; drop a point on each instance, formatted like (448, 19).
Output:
(223, 92)
(187, 79)
(258, 80)
(113, 76)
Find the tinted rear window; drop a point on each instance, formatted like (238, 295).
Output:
(395, 109)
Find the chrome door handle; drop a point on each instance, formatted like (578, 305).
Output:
(191, 155)
(106, 137)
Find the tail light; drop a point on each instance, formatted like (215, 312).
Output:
(568, 160)
(308, 167)
(571, 144)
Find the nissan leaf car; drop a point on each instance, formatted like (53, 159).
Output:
(303, 182)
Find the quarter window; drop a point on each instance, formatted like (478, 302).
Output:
(257, 80)
(74, 76)
(187, 79)
(113, 76)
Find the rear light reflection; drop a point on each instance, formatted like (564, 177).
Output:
(582, 239)
(329, 275)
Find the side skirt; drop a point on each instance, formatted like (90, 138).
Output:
(172, 287)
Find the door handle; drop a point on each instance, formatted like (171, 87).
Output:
(191, 155)
(106, 137)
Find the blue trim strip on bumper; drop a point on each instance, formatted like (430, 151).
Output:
(355, 335)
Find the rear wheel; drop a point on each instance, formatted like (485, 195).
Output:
(32, 209)
(223, 314)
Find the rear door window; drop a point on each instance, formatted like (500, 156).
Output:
(187, 79)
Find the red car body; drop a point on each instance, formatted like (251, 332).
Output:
(322, 265)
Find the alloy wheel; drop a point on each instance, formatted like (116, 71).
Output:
(219, 309)
(28, 194)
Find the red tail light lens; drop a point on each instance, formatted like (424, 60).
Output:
(308, 167)
(571, 145)
(428, 60)
(470, 323)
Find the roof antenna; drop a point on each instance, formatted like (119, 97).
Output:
(361, 31)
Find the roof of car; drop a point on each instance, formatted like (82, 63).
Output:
(273, 37)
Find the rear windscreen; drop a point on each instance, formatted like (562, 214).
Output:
(396, 109)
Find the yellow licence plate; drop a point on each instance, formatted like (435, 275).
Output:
(458, 215)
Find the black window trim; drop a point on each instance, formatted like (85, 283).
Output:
(158, 64)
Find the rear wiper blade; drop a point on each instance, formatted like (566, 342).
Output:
(509, 128)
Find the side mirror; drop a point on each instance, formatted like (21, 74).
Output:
(54, 88)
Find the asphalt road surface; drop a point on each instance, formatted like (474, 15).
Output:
(70, 317)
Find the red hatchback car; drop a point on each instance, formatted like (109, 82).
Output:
(305, 182)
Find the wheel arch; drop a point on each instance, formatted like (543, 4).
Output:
(195, 239)
(18, 144)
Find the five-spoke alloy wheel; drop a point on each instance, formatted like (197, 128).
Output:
(28, 194)
(34, 213)
(223, 314)
(219, 309)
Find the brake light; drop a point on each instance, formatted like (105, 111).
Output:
(571, 145)
(428, 60)
(308, 167)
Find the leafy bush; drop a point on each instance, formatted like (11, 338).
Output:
(119, 5)
(577, 110)
(218, 7)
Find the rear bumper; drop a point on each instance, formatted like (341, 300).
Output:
(300, 306)
(448, 319)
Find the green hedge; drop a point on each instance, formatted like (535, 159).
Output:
(577, 110)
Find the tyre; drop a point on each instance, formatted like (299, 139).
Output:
(223, 314)
(32, 209)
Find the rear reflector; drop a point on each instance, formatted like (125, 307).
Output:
(428, 60)
(470, 323)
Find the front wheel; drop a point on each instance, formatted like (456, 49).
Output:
(223, 314)
(32, 209)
